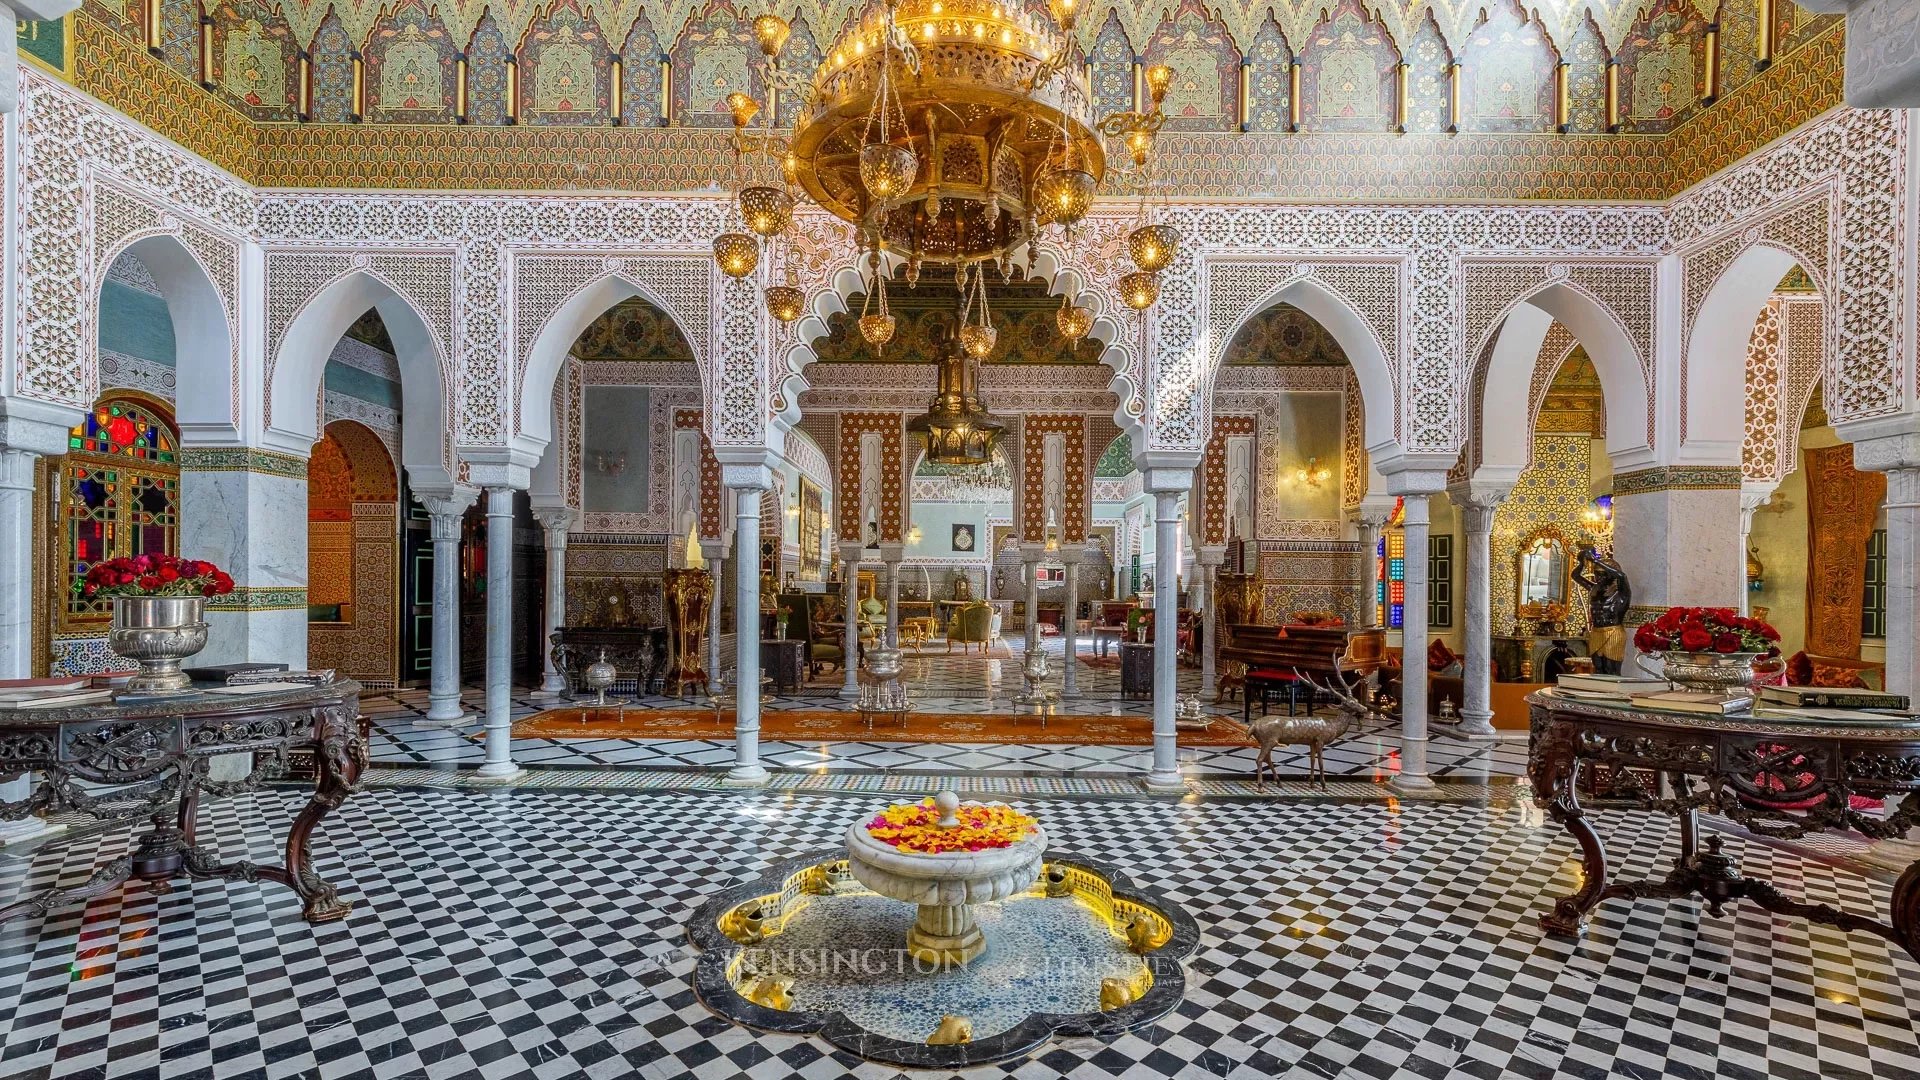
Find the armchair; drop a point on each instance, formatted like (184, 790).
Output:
(873, 619)
(973, 624)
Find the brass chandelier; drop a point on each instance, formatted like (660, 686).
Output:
(947, 132)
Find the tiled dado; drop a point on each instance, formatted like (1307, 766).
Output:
(1677, 478)
(1341, 167)
(260, 598)
(242, 459)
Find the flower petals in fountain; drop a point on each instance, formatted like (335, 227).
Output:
(1067, 947)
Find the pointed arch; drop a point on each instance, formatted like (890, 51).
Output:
(1713, 370)
(204, 358)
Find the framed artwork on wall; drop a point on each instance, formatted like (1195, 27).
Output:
(812, 520)
(963, 538)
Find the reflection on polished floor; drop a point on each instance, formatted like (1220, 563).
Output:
(515, 932)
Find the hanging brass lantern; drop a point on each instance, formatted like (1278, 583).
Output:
(743, 108)
(771, 31)
(1153, 247)
(736, 253)
(1067, 193)
(887, 169)
(1074, 321)
(978, 339)
(786, 302)
(957, 427)
(768, 210)
(877, 329)
(1139, 290)
(1159, 79)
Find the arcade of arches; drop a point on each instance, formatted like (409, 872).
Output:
(1495, 332)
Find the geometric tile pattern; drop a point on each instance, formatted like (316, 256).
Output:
(539, 933)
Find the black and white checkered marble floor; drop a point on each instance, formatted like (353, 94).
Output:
(519, 933)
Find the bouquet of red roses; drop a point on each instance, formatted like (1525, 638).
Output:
(154, 575)
(1703, 629)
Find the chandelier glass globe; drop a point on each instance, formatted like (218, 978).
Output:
(786, 302)
(1153, 247)
(736, 253)
(877, 329)
(1139, 290)
(767, 210)
(1067, 193)
(888, 170)
(979, 340)
(1074, 321)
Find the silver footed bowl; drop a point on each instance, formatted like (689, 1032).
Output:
(157, 633)
(1710, 672)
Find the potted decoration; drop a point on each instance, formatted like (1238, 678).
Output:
(780, 622)
(159, 613)
(1140, 623)
(1707, 649)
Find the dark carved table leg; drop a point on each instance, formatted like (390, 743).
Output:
(104, 880)
(1569, 916)
(340, 758)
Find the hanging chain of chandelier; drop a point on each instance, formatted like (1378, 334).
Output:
(948, 133)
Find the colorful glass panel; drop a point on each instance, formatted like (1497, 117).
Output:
(120, 497)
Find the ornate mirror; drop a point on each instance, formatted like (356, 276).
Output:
(1542, 573)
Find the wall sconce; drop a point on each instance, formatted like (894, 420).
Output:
(1053, 541)
(1312, 474)
(793, 506)
(610, 464)
(1596, 524)
(1756, 572)
(913, 534)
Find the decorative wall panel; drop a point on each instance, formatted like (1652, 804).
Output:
(1429, 80)
(1269, 79)
(1663, 66)
(565, 77)
(1205, 95)
(1347, 73)
(1507, 73)
(410, 61)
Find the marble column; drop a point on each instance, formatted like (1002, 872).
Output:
(499, 723)
(1165, 775)
(245, 510)
(16, 603)
(1210, 558)
(715, 554)
(891, 553)
(1071, 555)
(1413, 648)
(555, 521)
(445, 510)
(1369, 520)
(1903, 580)
(850, 555)
(1751, 499)
(1030, 555)
(748, 484)
(1477, 503)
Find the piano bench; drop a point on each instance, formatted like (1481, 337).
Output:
(1262, 682)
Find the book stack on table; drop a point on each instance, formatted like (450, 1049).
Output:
(1775, 702)
(1832, 703)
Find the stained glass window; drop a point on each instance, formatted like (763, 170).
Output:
(1391, 595)
(120, 495)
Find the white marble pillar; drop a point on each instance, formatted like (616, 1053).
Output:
(1477, 503)
(714, 552)
(1903, 580)
(890, 554)
(1165, 775)
(1413, 649)
(16, 608)
(445, 510)
(499, 722)
(850, 555)
(1030, 555)
(1071, 555)
(555, 521)
(1751, 499)
(1369, 520)
(748, 483)
(1210, 557)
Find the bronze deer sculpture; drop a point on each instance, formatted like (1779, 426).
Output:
(1315, 732)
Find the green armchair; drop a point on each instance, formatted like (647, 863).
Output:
(873, 618)
(973, 623)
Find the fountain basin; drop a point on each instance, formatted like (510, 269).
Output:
(944, 886)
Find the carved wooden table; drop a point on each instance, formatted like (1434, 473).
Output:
(1775, 777)
(156, 753)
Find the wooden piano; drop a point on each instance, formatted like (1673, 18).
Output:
(1277, 656)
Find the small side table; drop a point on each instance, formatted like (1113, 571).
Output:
(1136, 669)
(784, 661)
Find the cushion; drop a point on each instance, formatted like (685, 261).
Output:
(1799, 669)
(1836, 677)
(1439, 656)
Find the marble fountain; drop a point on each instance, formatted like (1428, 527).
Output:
(941, 960)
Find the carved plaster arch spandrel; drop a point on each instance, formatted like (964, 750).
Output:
(423, 280)
(123, 217)
(542, 283)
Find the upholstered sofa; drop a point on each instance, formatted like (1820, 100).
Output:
(973, 624)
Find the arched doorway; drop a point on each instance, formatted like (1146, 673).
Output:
(354, 598)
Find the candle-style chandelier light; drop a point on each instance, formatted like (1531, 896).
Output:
(948, 132)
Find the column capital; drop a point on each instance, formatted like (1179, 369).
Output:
(1374, 510)
(892, 551)
(1032, 551)
(451, 501)
(746, 478)
(1070, 554)
(1166, 481)
(1884, 445)
(853, 553)
(503, 473)
(37, 427)
(1411, 473)
(714, 550)
(1480, 493)
(1211, 554)
(556, 520)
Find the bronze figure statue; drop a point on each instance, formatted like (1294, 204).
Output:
(1609, 594)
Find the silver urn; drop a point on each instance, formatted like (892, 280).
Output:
(1709, 672)
(598, 676)
(157, 633)
(880, 689)
(1034, 670)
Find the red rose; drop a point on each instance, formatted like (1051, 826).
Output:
(1726, 643)
(150, 582)
(1695, 638)
(1647, 639)
(89, 590)
(209, 589)
(168, 574)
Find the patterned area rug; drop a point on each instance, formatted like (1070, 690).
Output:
(806, 725)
